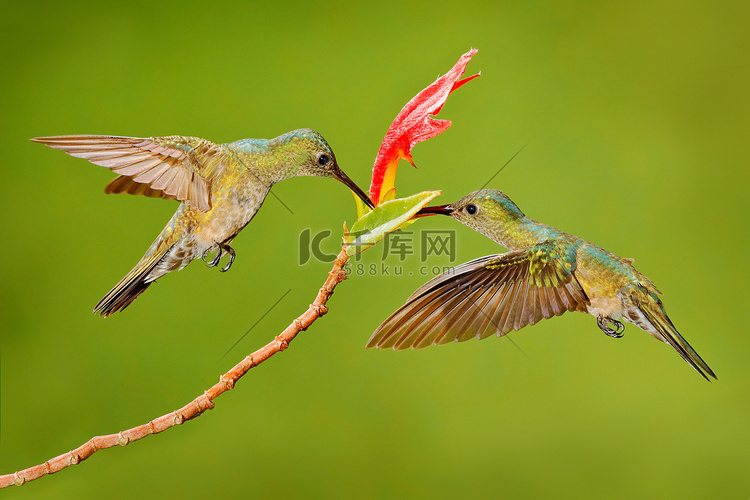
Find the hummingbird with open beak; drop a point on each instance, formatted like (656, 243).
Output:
(220, 187)
(545, 273)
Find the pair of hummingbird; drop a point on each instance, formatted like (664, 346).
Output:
(221, 186)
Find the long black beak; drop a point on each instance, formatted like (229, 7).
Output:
(436, 210)
(340, 175)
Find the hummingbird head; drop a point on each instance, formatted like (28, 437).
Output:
(311, 155)
(487, 211)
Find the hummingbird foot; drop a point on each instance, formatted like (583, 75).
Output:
(221, 251)
(230, 251)
(213, 262)
(615, 332)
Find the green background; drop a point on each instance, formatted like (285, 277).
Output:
(634, 123)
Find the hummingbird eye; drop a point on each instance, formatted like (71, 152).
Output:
(324, 160)
(471, 209)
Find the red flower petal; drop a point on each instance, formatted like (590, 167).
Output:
(414, 124)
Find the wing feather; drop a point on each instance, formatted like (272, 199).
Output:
(444, 327)
(505, 324)
(170, 167)
(492, 294)
(421, 324)
(164, 179)
(460, 316)
(123, 184)
(481, 319)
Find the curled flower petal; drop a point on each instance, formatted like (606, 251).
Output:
(413, 125)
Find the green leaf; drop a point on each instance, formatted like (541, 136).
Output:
(386, 217)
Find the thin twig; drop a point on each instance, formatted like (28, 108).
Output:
(200, 404)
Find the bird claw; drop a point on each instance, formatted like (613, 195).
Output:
(230, 251)
(213, 262)
(221, 252)
(604, 323)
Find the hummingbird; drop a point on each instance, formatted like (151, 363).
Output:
(545, 273)
(220, 187)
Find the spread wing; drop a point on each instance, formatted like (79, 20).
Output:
(173, 167)
(493, 294)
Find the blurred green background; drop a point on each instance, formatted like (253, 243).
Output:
(634, 118)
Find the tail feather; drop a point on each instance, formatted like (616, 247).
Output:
(657, 317)
(131, 286)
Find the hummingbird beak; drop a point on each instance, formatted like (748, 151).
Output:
(436, 210)
(340, 175)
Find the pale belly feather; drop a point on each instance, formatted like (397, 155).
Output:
(196, 232)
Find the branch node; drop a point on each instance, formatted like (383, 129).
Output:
(179, 418)
(283, 344)
(338, 274)
(205, 403)
(19, 479)
(298, 325)
(319, 309)
(122, 439)
(227, 381)
(74, 458)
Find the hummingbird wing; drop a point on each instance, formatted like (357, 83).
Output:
(173, 167)
(492, 294)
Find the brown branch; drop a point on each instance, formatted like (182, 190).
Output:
(200, 404)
